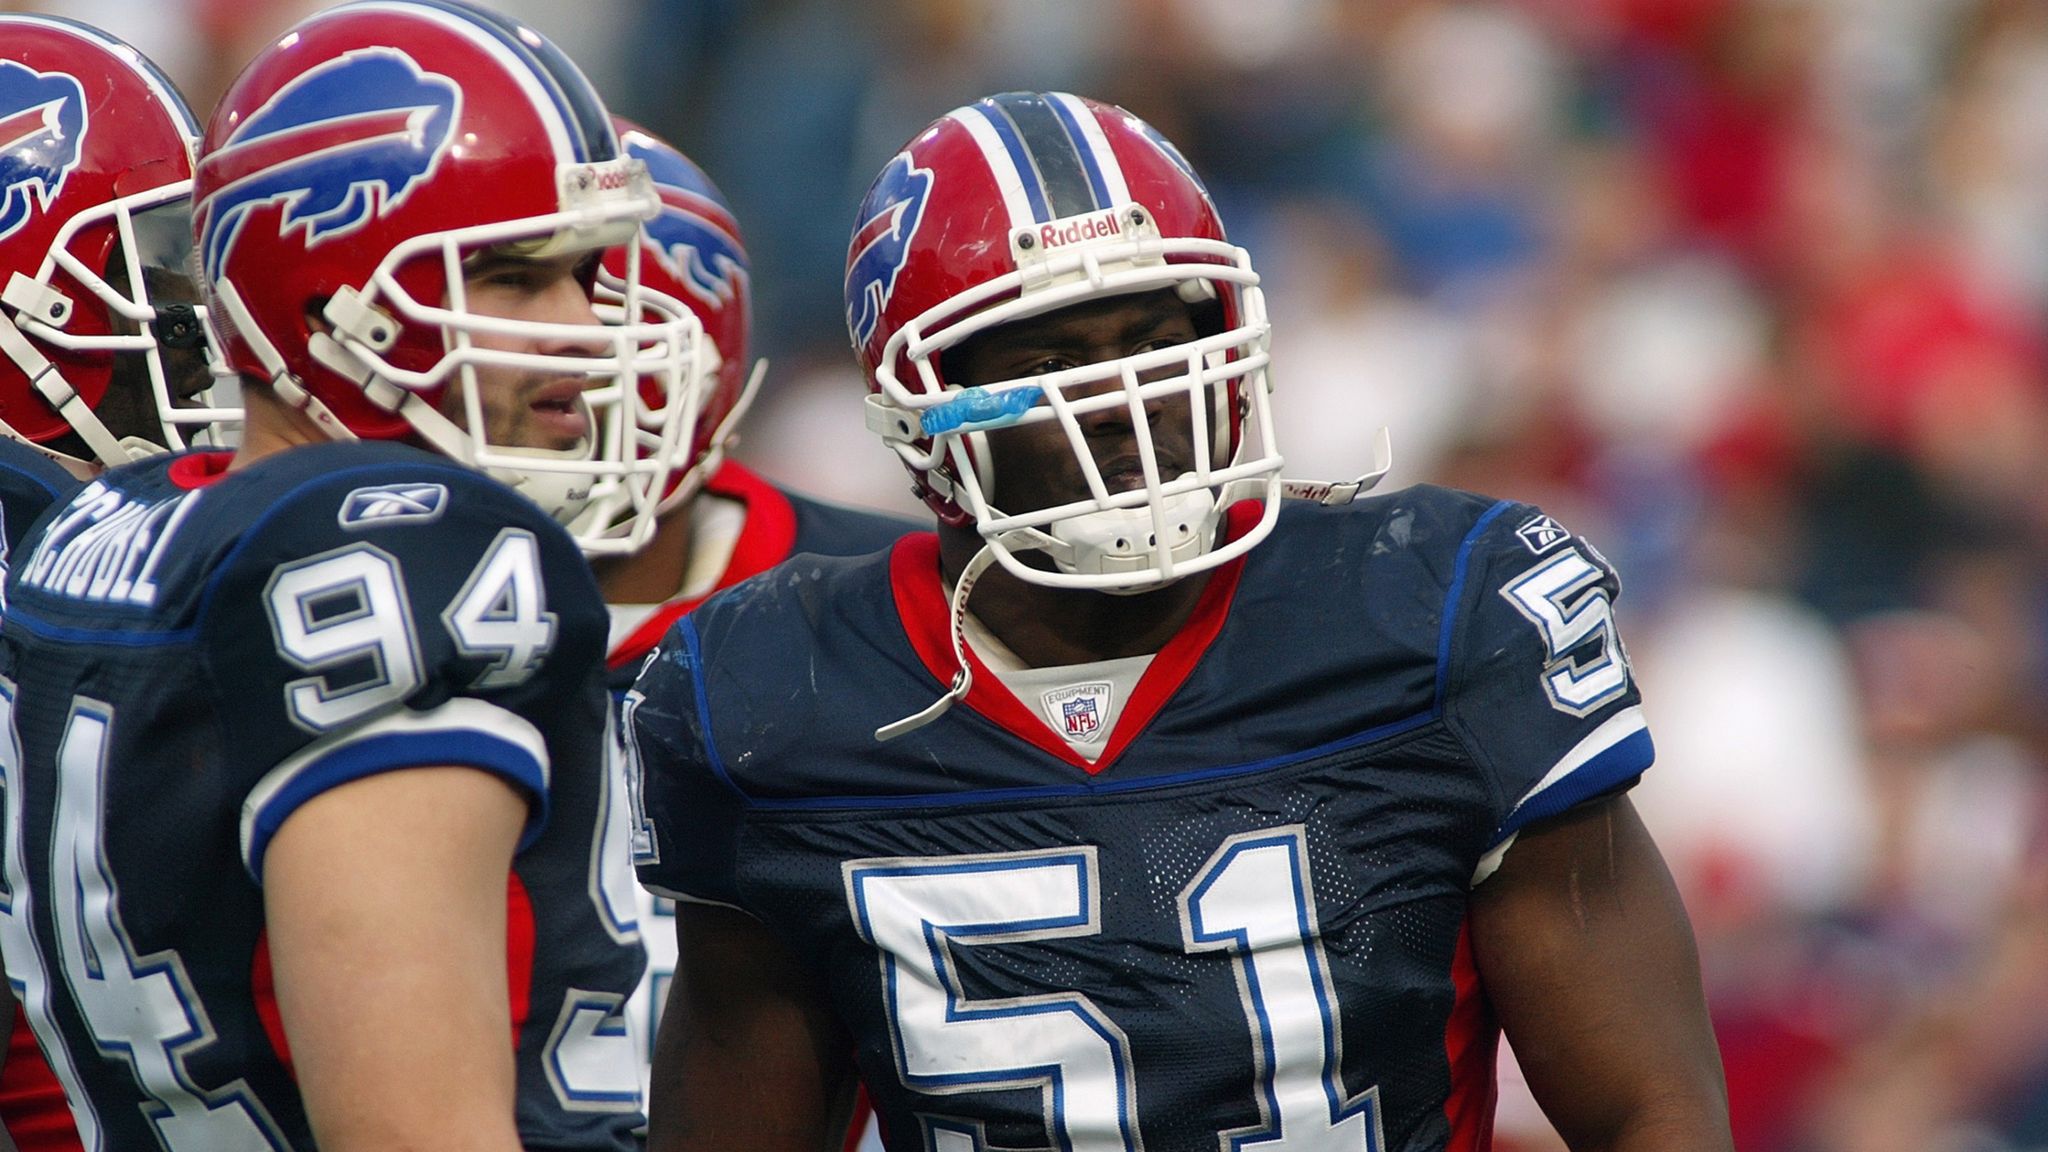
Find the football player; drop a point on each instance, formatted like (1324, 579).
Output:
(720, 522)
(310, 837)
(103, 355)
(104, 359)
(1237, 821)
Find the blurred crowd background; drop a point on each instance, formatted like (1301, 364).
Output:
(1754, 293)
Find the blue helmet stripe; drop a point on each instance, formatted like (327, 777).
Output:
(1047, 155)
(587, 121)
(1020, 158)
(1089, 162)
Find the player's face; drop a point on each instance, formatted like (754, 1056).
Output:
(525, 407)
(1036, 466)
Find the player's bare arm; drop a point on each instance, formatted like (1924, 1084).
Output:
(1588, 958)
(386, 906)
(748, 1056)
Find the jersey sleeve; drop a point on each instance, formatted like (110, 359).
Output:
(29, 483)
(691, 811)
(380, 621)
(1538, 685)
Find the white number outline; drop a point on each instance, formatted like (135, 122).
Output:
(374, 577)
(26, 972)
(932, 969)
(89, 932)
(516, 640)
(1562, 597)
(1262, 966)
(1298, 1072)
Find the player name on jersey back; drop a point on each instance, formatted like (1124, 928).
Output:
(108, 545)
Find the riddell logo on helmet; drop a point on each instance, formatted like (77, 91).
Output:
(602, 178)
(1100, 226)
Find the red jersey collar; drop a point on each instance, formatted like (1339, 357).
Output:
(766, 537)
(921, 602)
(196, 470)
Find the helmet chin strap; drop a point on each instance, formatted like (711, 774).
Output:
(956, 614)
(51, 385)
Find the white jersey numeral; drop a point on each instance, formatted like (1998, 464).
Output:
(343, 608)
(1252, 900)
(501, 614)
(1562, 598)
(917, 911)
(140, 1009)
(25, 970)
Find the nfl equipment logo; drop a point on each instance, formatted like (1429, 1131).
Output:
(1079, 712)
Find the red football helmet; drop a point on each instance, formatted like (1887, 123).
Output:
(102, 343)
(1019, 205)
(342, 181)
(692, 264)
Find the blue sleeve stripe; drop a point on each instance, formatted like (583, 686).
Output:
(389, 752)
(1449, 622)
(692, 652)
(1603, 772)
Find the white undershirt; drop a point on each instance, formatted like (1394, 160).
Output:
(1079, 702)
(716, 524)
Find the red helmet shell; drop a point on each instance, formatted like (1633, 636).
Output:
(1018, 172)
(367, 128)
(85, 121)
(692, 252)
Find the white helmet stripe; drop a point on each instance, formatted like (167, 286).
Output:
(560, 133)
(1016, 200)
(1088, 131)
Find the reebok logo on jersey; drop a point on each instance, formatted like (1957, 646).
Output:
(1079, 711)
(393, 504)
(1542, 534)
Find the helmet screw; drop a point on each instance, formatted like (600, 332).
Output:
(1137, 215)
(1025, 241)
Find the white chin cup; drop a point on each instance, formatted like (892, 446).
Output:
(560, 493)
(1118, 540)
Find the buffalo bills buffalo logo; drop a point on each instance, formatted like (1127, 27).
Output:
(42, 125)
(692, 239)
(881, 245)
(339, 145)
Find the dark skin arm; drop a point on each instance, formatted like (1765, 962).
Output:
(749, 1055)
(1588, 958)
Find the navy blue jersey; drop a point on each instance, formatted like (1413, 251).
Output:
(1247, 916)
(779, 524)
(29, 483)
(191, 654)
(32, 1107)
